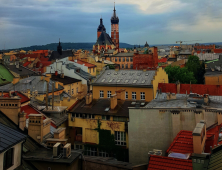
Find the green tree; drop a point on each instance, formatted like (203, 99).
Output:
(198, 68)
(180, 74)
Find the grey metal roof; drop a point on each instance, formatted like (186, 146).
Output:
(124, 55)
(22, 71)
(55, 55)
(33, 83)
(125, 78)
(9, 137)
(81, 72)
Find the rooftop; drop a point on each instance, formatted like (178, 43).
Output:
(33, 83)
(104, 39)
(99, 106)
(182, 143)
(22, 71)
(66, 80)
(55, 55)
(125, 78)
(9, 137)
(167, 163)
(124, 55)
(23, 97)
(89, 65)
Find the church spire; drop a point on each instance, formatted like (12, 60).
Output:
(114, 18)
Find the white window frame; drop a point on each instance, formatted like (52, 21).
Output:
(72, 91)
(92, 152)
(103, 154)
(109, 93)
(101, 94)
(90, 116)
(120, 138)
(126, 95)
(133, 95)
(142, 95)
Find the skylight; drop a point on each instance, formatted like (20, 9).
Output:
(143, 81)
(111, 80)
(138, 74)
(103, 80)
(147, 74)
(134, 81)
(108, 73)
(126, 81)
(118, 81)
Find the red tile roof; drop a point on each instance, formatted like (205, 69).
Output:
(167, 163)
(27, 63)
(29, 110)
(217, 50)
(182, 143)
(215, 90)
(45, 52)
(89, 65)
(23, 97)
(44, 63)
(162, 60)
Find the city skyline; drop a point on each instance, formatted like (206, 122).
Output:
(40, 22)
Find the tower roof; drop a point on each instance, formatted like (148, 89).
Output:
(146, 45)
(104, 39)
(101, 27)
(114, 18)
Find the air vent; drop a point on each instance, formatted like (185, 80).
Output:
(133, 103)
(134, 81)
(107, 109)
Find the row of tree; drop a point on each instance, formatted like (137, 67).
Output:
(193, 72)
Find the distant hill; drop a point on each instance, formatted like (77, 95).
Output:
(65, 46)
(89, 46)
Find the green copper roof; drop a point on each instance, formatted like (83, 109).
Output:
(5, 75)
(211, 61)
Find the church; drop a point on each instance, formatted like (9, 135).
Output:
(104, 41)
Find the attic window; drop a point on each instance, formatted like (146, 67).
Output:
(107, 109)
(111, 80)
(138, 74)
(103, 80)
(134, 81)
(143, 81)
(123, 73)
(108, 73)
(126, 81)
(131, 74)
(115, 73)
(147, 74)
(118, 81)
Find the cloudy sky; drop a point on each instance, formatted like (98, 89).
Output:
(39, 22)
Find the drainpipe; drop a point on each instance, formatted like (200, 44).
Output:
(52, 95)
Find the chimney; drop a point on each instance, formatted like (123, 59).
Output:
(56, 73)
(199, 137)
(35, 128)
(15, 80)
(120, 94)
(56, 84)
(29, 59)
(206, 99)
(113, 101)
(171, 96)
(89, 98)
(219, 118)
(60, 133)
(22, 120)
(178, 87)
(47, 96)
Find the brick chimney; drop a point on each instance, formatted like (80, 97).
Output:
(38, 127)
(120, 94)
(60, 133)
(199, 137)
(22, 120)
(88, 98)
(113, 101)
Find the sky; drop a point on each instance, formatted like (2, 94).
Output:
(38, 22)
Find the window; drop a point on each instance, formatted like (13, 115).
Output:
(131, 65)
(123, 59)
(101, 94)
(131, 59)
(127, 59)
(78, 147)
(103, 154)
(134, 95)
(91, 151)
(93, 70)
(68, 91)
(77, 90)
(8, 158)
(142, 95)
(105, 117)
(120, 138)
(126, 94)
(90, 116)
(119, 59)
(119, 119)
(122, 65)
(108, 94)
(116, 59)
(72, 91)
(89, 70)
(126, 66)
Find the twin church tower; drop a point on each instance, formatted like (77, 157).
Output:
(104, 42)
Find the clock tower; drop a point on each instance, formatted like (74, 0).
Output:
(115, 28)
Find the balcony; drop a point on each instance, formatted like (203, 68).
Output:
(79, 138)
